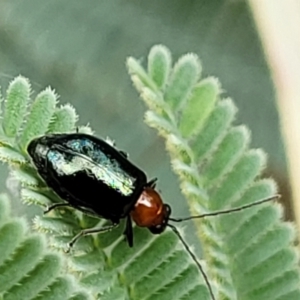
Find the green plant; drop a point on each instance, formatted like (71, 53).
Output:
(248, 255)
(27, 269)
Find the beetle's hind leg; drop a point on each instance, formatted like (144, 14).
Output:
(88, 232)
(54, 206)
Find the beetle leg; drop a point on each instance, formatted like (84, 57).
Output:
(88, 232)
(51, 207)
(128, 231)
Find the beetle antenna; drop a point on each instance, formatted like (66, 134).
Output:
(193, 256)
(227, 211)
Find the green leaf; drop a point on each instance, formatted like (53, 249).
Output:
(11, 155)
(24, 257)
(61, 288)
(25, 176)
(182, 80)
(63, 120)
(214, 130)
(196, 112)
(159, 65)
(142, 78)
(81, 296)
(227, 155)
(17, 97)
(43, 105)
(249, 254)
(32, 197)
(27, 269)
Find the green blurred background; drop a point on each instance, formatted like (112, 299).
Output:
(80, 49)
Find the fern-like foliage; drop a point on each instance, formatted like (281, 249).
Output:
(250, 254)
(27, 269)
(155, 268)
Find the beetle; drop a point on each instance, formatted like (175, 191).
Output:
(114, 188)
(91, 175)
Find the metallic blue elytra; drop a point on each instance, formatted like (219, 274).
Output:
(88, 173)
(92, 176)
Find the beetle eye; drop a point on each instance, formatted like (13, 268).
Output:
(158, 229)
